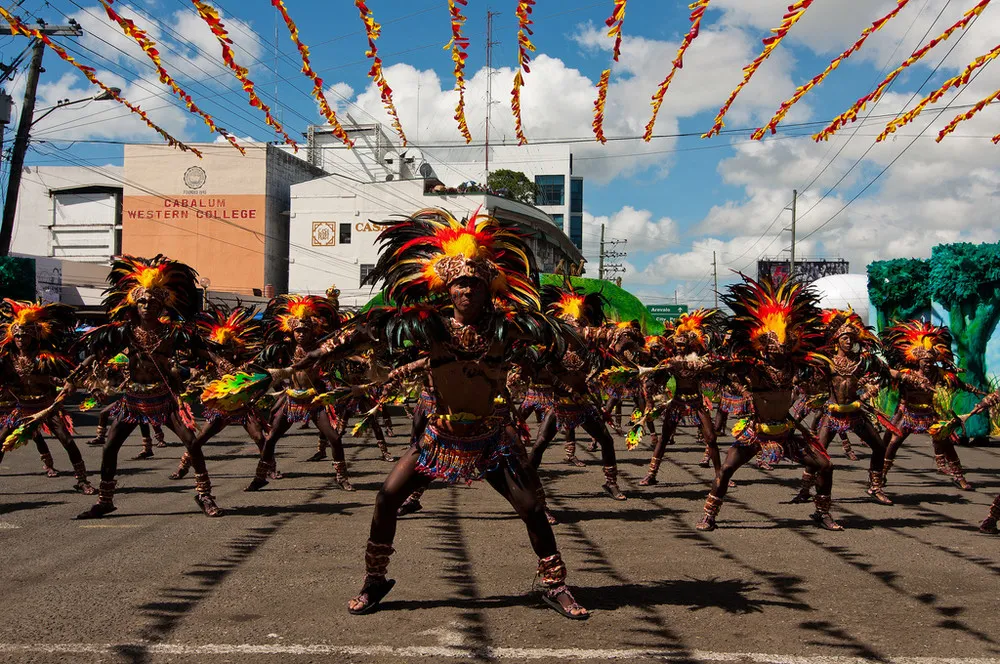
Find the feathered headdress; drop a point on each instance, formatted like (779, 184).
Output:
(567, 303)
(421, 255)
(914, 340)
(235, 328)
(769, 316)
(697, 327)
(50, 324)
(838, 322)
(172, 283)
(288, 313)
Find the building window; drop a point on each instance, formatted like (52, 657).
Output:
(366, 269)
(576, 196)
(557, 219)
(551, 190)
(576, 230)
(345, 234)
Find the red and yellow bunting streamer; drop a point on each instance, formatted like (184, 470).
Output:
(524, 48)
(373, 29)
(614, 22)
(459, 46)
(697, 12)
(141, 37)
(317, 91)
(851, 114)
(602, 96)
(980, 105)
(790, 18)
(782, 111)
(18, 27)
(954, 82)
(210, 15)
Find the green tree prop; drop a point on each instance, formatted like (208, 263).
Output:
(900, 289)
(17, 278)
(965, 279)
(517, 184)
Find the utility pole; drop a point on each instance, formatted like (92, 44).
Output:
(600, 257)
(795, 198)
(715, 279)
(489, 81)
(24, 126)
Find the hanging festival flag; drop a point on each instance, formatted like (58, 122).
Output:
(980, 105)
(373, 29)
(210, 15)
(317, 91)
(851, 114)
(141, 37)
(524, 47)
(697, 12)
(954, 82)
(459, 45)
(18, 27)
(614, 22)
(802, 90)
(790, 18)
(602, 95)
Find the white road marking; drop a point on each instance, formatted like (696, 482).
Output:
(6, 525)
(113, 525)
(517, 654)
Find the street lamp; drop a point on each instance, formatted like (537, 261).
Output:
(27, 121)
(105, 95)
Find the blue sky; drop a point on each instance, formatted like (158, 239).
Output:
(676, 198)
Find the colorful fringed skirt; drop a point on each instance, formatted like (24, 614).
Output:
(452, 458)
(144, 404)
(426, 404)
(299, 405)
(916, 418)
(842, 418)
(573, 411)
(538, 399)
(775, 440)
(734, 404)
(684, 409)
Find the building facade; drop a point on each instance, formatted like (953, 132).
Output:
(376, 158)
(339, 219)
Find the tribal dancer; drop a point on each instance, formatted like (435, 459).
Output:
(688, 364)
(989, 524)
(616, 394)
(31, 368)
(853, 361)
(141, 291)
(297, 323)
(774, 329)
(924, 353)
(446, 274)
(574, 402)
(232, 338)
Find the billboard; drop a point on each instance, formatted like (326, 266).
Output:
(809, 270)
(665, 312)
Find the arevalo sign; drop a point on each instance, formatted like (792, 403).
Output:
(665, 312)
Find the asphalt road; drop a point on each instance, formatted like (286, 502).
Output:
(158, 582)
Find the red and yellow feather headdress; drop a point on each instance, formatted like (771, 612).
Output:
(696, 327)
(914, 340)
(573, 306)
(44, 322)
(171, 282)
(423, 254)
(839, 322)
(769, 316)
(233, 328)
(288, 313)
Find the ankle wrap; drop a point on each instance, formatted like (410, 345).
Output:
(611, 474)
(377, 560)
(654, 465)
(712, 506)
(80, 470)
(202, 484)
(995, 509)
(185, 462)
(106, 492)
(340, 467)
(570, 448)
(263, 468)
(46, 460)
(823, 504)
(552, 571)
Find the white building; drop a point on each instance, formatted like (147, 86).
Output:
(377, 158)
